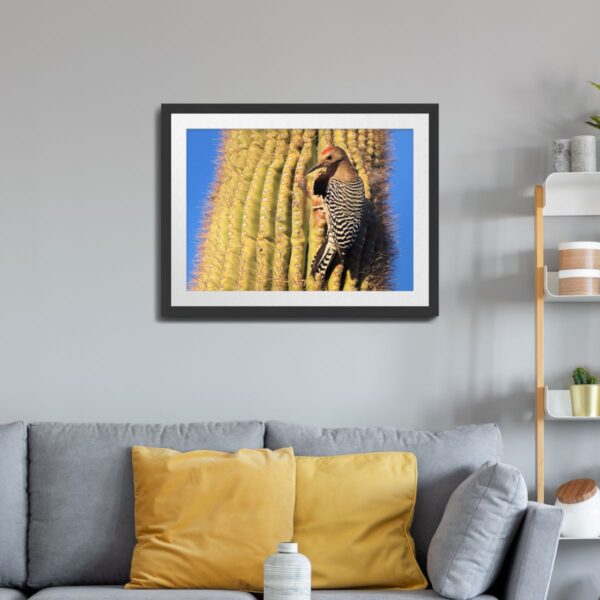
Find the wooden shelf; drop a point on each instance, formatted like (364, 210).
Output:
(572, 195)
(578, 539)
(557, 404)
(551, 290)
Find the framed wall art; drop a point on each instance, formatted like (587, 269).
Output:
(300, 210)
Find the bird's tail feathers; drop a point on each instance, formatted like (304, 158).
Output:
(323, 258)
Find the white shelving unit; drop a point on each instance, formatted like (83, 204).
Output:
(572, 195)
(551, 290)
(558, 407)
(562, 195)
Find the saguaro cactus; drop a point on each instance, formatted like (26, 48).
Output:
(261, 231)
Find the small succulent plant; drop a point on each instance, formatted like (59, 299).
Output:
(594, 119)
(582, 376)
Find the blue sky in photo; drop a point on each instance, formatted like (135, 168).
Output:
(202, 152)
(401, 206)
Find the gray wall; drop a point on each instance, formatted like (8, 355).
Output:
(81, 83)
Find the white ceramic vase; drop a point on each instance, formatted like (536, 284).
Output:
(287, 574)
(581, 519)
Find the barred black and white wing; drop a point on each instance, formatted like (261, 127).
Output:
(344, 205)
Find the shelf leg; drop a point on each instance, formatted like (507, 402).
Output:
(539, 342)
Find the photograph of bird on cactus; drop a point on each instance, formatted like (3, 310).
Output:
(299, 210)
(257, 208)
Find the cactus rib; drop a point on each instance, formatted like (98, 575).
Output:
(266, 231)
(211, 249)
(299, 235)
(250, 222)
(283, 216)
(246, 165)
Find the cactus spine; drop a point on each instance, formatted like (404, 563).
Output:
(260, 229)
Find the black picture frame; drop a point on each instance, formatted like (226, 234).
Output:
(168, 310)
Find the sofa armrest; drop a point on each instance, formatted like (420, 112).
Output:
(530, 563)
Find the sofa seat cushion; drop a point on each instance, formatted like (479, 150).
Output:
(444, 460)
(81, 505)
(109, 592)
(382, 595)
(8, 594)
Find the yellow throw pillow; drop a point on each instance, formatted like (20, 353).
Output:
(352, 520)
(208, 519)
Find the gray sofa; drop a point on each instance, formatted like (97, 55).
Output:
(68, 517)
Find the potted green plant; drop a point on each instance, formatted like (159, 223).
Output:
(594, 119)
(585, 394)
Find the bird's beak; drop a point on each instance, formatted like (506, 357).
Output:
(316, 166)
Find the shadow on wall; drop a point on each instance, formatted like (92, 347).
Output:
(501, 280)
(560, 98)
(580, 585)
(495, 287)
(580, 590)
(517, 406)
(497, 284)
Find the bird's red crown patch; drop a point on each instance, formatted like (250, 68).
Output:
(326, 150)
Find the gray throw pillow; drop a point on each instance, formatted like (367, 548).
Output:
(474, 535)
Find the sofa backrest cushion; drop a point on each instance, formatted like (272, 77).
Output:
(81, 527)
(13, 505)
(444, 460)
